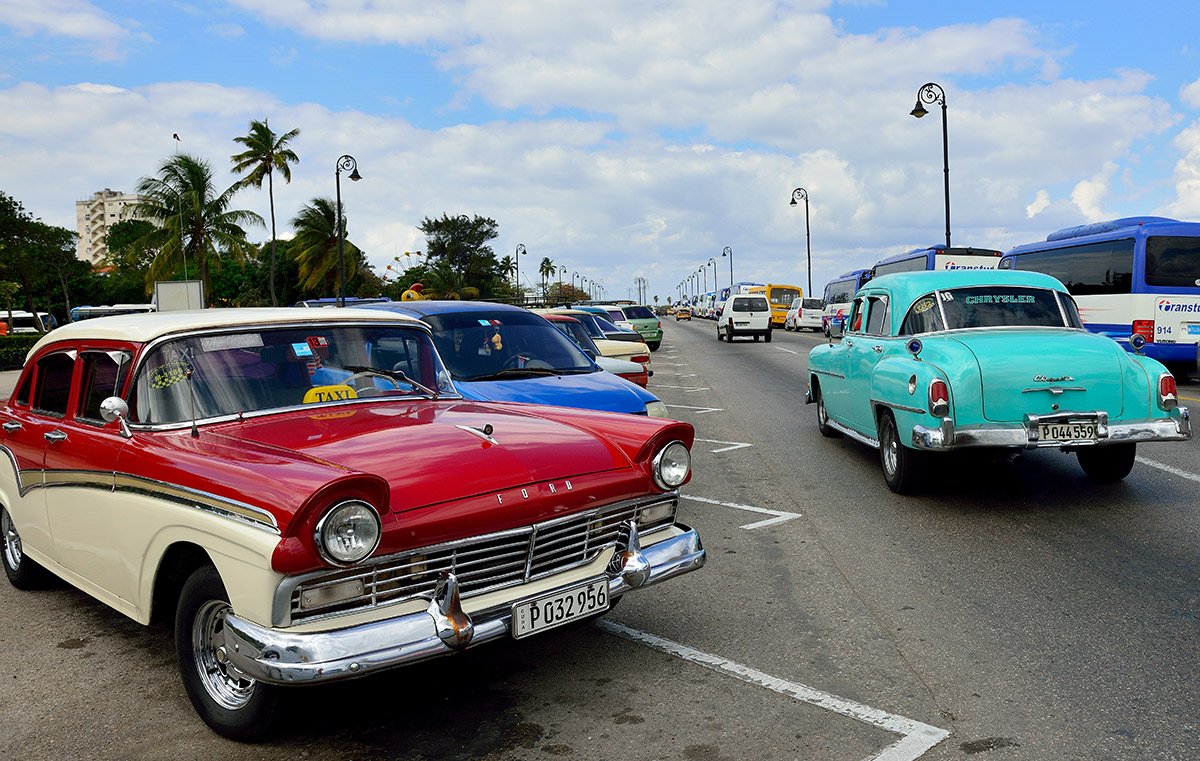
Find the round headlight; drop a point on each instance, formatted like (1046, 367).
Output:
(348, 533)
(656, 409)
(672, 465)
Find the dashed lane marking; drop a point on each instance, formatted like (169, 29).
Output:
(780, 516)
(916, 737)
(732, 445)
(789, 351)
(1169, 469)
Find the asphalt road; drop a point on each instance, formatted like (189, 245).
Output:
(1014, 611)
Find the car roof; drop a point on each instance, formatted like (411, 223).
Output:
(143, 327)
(909, 286)
(426, 307)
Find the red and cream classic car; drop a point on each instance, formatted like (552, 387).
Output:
(309, 499)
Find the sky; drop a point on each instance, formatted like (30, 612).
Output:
(626, 139)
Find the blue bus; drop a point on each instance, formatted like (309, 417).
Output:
(839, 293)
(1130, 275)
(938, 257)
(742, 286)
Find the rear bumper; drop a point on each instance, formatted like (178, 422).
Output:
(946, 436)
(276, 656)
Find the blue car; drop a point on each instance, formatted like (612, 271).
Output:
(502, 353)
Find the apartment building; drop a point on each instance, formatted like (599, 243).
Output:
(93, 217)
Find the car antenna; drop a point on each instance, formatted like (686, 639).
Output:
(192, 399)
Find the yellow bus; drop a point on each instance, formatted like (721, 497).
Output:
(780, 298)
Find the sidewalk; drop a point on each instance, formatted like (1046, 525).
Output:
(8, 381)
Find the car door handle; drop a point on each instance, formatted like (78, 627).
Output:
(55, 437)
(849, 342)
(11, 426)
(877, 349)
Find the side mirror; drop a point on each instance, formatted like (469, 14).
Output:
(115, 408)
(836, 327)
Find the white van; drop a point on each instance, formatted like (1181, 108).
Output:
(29, 322)
(745, 314)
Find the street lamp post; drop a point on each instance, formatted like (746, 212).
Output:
(345, 163)
(729, 252)
(704, 270)
(517, 269)
(932, 92)
(797, 194)
(713, 262)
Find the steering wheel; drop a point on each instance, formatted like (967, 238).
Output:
(514, 361)
(369, 388)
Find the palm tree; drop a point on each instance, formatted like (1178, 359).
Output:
(195, 223)
(546, 269)
(265, 153)
(316, 245)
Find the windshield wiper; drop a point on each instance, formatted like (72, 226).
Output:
(514, 372)
(394, 375)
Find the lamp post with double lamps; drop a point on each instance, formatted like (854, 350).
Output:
(932, 92)
(797, 194)
(345, 163)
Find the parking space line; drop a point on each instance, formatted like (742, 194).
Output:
(1169, 469)
(686, 389)
(781, 516)
(916, 737)
(789, 351)
(698, 410)
(732, 445)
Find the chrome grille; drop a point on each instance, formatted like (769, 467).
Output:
(482, 564)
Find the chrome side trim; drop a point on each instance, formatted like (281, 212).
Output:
(874, 443)
(893, 405)
(828, 373)
(197, 500)
(1024, 435)
(276, 656)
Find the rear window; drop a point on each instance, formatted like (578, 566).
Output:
(638, 313)
(1173, 261)
(1000, 306)
(756, 304)
(813, 304)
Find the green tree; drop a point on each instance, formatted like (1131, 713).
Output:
(265, 154)
(195, 222)
(54, 247)
(16, 262)
(461, 245)
(546, 269)
(315, 246)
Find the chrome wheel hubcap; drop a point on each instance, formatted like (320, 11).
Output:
(890, 456)
(225, 684)
(12, 542)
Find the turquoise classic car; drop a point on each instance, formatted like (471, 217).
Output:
(933, 362)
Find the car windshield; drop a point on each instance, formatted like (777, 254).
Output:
(215, 374)
(496, 345)
(991, 307)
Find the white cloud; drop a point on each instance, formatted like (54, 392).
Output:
(1187, 175)
(1040, 203)
(75, 19)
(1089, 193)
(1189, 94)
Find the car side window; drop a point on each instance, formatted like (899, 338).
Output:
(857, 312)
(877, 316)
(923, 317)
(104, 374)
(52, 388)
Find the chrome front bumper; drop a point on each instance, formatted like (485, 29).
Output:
(1024, 435)
(278, 657)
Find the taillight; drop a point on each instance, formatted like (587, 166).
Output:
(1145, 329)
(939, 398)
(641, 359)
(1167, 393)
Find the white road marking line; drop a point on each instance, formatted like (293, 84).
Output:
(916, 737)
(699, 410)
(781, 516)
(670, 364)
(1169, 469)
(789, 351)
(689, 375)
(734, 445)
(685, 388)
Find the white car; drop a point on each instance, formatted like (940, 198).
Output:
(745, 314)
(809, 317)
(792, 319)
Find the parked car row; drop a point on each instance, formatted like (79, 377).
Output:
(315, 495)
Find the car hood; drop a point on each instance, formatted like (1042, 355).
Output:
(589, 391)
(428, 453)
(1019, 367)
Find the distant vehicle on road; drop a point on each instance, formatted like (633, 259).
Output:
(938, 257)
(838, 294)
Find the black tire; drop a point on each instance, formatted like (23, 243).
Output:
(756, 337)
(719, 336)
(823, 426)
(22, 572)
(903, 467)
(1107, 464)
(767, 337)
(231, 703)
